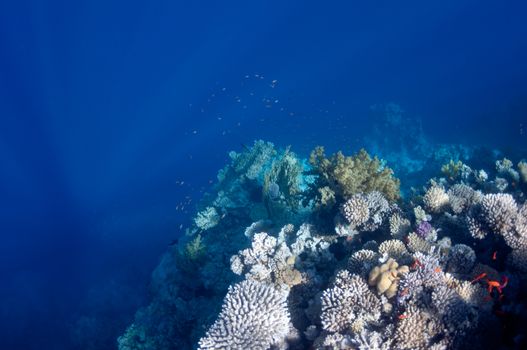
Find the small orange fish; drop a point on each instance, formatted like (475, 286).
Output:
(478, 277)
(492, 285)
(402, 316)
(437, 269)
(494, 255)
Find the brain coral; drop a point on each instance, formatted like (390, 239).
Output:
(346, 176)
(254, 315)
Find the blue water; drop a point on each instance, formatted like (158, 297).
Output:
(114, 114)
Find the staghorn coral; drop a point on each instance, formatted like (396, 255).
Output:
(332, 341)
(341, 177)
(347, 300)
(254, 315)
(435, 199)
(386, 277)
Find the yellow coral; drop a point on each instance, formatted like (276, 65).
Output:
(452, 170)
(346, 176)
(386, 277)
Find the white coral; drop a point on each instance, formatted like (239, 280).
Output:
(254, 315)
(356, 210)
(349, 299)
(435, 199)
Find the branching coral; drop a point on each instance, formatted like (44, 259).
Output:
(435, 199)
(268, 261)
(356, 210)
(363, 212)
(347, 300)
(251, 162)
(499, 214)
(254, 315)
(282, 181)
(362, 261)
(452, 170)
(505, 168)
(461, 197)
(461, 259)
(399, 225)
(207, 218)
(343, 177)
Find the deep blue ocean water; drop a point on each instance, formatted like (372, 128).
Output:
(116, 116)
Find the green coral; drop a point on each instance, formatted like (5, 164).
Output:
(339, 177)
(190, 255)
(285, 176)
(452, 170)
(285, 172)
(195, 249)
(251, 162)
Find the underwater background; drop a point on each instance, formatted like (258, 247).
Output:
(117, 116)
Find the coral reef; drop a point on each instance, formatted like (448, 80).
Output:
(285, 256)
